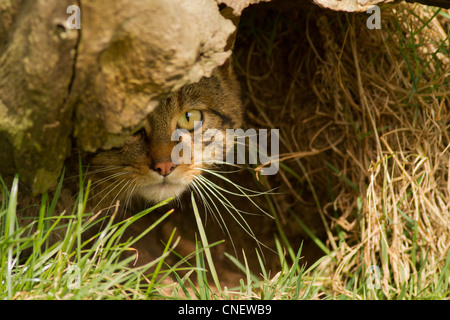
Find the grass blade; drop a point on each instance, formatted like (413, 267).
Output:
(205, 244)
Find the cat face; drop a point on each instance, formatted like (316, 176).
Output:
(145, 161)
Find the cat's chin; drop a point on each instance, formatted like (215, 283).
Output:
(160, 192)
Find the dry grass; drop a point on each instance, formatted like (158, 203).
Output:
(364, 118)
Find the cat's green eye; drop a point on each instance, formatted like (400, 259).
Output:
(187, 120)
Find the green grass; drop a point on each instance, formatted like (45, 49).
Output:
(96, 269)
(70, 268)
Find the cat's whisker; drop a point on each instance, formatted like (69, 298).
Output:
(218, 188)
(242, 190)
(103, 169)
(91, 194)
(101, 166)
(92, 172)
(221, 171)
(107, 178)
(230, 208)
(113, 201)
(130, 195)
(118, 196)
(105, 209)
(98, 183)
(178, 201)
(208, 207)
(199, 188)
(112, 187)
(218, 163)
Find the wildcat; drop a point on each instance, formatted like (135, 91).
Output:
(143, 167)
(141, 172)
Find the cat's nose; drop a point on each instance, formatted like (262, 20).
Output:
(164, 168)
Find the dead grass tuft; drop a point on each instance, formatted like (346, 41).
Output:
(364, 117)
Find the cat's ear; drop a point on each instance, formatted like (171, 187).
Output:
(227, 13)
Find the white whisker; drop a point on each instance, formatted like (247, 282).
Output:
(221, 222)
(230, 208)
(112, 189)
(241, 189)
(130, 196)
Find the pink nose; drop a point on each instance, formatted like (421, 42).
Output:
(164, 168)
